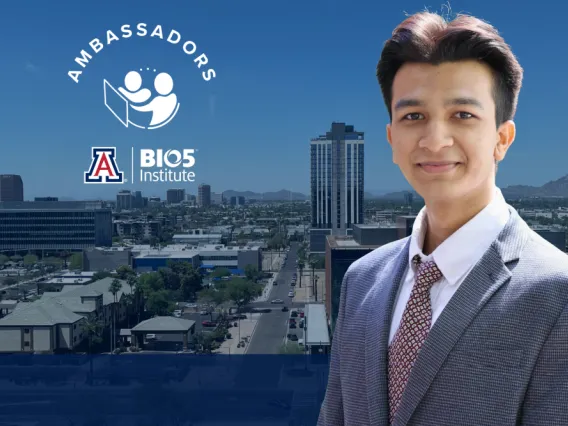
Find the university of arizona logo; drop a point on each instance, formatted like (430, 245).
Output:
(103, 167)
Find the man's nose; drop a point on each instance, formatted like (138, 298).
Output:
(436, 136)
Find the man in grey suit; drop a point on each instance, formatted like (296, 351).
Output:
(466, 321)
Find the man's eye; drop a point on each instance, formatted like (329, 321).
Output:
(413, 116)
(462, 115)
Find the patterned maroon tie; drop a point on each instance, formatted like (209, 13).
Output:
(414, 327)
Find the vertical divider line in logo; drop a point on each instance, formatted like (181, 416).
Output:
(132, 162)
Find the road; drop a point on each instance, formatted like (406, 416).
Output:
(272, 327)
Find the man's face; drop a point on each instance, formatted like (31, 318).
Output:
(443, 132)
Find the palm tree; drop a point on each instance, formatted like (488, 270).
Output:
(313, 262)
(114, 288)
(132, 282)
(301, 268)
(94, 330)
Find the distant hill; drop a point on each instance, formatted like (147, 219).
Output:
(398, 196)
(555, 188)
(282, 195)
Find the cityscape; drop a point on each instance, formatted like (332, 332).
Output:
(250, 282)
(211, 273)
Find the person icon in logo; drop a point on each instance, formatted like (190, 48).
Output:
(165, 105)
(133, 82)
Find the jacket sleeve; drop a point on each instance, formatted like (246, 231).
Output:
(546, 399)
(331, 413)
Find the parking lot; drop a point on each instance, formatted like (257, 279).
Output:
(295, 324)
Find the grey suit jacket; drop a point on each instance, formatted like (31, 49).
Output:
(497, 355)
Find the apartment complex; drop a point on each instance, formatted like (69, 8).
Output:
(56, 322)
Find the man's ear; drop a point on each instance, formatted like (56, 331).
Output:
(389, 140)
(505, 137)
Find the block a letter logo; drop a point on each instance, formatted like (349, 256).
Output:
(103, 167)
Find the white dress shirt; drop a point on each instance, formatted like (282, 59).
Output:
(455, 257)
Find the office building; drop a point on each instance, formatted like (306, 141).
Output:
(238, 201)
(11, 188)
(337, 183)
(124, 200)
(60, 225)
(175, 196)
(204, 195)
(341, 252)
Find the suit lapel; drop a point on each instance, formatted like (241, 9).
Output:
(482, 282)
(378, 311)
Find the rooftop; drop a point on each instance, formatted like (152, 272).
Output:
(164, 324)
(316, 325)
(346, 243)
(50, 205)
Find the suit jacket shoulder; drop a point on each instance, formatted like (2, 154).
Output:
(375, 261)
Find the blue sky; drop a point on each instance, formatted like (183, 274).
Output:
(285, 71)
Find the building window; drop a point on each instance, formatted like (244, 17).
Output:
(26, 344)
(26, 331)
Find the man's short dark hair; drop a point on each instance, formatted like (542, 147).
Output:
(428, 38)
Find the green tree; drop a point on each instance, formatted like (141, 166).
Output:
(114, 288)
(251, 272)
(301, 268)
(213, 296)
(124, 271)
(76, 261)
(94, 329)
(158, 303)
(205, 343)
(191, 284)
(220, 273)
(101, 275)
(291, 348)
(16, 258)
(171, 280)
(132, 282)
(241, 292)
(30, 260)
(3, 259)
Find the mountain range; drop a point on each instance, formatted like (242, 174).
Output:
(554, 189)
(283, 194)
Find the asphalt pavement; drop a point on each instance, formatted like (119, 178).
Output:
(272, 328)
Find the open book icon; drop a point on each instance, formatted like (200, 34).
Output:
(116, 103)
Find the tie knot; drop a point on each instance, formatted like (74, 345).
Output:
(427, 272)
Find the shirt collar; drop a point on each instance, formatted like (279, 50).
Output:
(465, 247)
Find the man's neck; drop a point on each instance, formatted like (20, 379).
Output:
(446, 218)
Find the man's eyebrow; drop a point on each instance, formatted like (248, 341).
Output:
(411, 102)
(464, 101)
(404, 103)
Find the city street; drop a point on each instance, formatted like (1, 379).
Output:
(272, 327)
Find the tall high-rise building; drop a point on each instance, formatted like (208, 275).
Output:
(204, 195)
(337, 183)
(11, 188)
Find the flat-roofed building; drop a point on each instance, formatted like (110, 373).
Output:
(58, 225)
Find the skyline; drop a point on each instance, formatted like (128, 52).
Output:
(282, 78)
